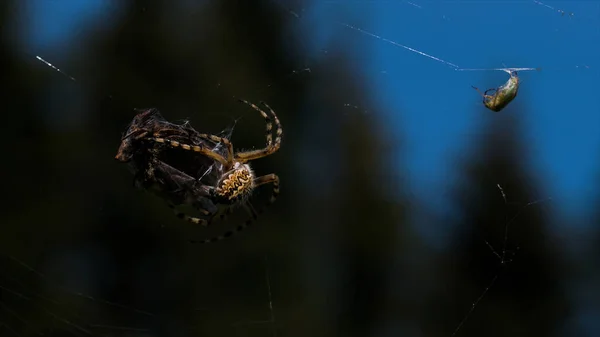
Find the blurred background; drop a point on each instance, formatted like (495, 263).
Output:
(406, 208)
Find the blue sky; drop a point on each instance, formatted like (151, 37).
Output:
(433, 106)
(439, 113)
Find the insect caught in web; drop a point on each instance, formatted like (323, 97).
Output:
(148, 162)
(498, 98)
(215, 175)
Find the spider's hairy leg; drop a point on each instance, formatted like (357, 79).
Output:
(194, 220)
(279, 128)
(479, 91)
(269, 123)
(253, 216)
(224, 141)
(228, 211)
(271, 146)
(269, 179)
(194, 148)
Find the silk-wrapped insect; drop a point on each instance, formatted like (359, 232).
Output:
(178, 178)
(497, 99)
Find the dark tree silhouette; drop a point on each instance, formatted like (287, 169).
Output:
(90, 229)
(528, 297)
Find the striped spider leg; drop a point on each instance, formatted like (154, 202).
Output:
(236, 180)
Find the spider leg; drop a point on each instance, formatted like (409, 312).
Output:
(479, 91)
(269, 178)
(271, 147)
(253, 216)
(195, 148)
(141, 133)
(205, 209)
(194, 220)
(228, 211)
(224, 141)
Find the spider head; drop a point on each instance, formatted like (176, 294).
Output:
(235, 185)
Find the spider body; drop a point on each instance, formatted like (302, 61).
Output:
(236, 185)
(216, 176)
(500, 97)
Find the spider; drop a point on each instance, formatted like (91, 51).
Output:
(499, 97)
(231, 179)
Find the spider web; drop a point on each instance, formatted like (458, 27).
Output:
(504, 254)
(33, 304)
(64, 315)
(27, 311)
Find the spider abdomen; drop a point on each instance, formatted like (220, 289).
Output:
(236, 185)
